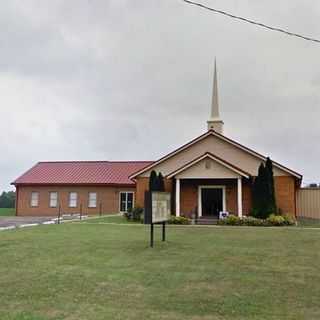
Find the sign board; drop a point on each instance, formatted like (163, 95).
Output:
(157, 207)
(223, 214)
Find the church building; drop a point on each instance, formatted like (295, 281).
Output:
(209, 174)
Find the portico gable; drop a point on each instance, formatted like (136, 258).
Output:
(210, 175)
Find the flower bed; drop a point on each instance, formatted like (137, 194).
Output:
(272, 220)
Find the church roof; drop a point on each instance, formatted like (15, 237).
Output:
(81, 173)
(224, 138)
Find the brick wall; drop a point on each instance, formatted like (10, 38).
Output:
(189, 195)
(107, 196)
(285, 190)
(142, 185)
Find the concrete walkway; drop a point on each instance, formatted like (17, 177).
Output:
(21, 221)
(8, 223)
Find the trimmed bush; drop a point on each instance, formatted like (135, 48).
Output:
(289, 220)
(128, 215)
(178, 220)
(276, 220)
(231, 220)
(273, 220)
(252, 221)
(136, 214)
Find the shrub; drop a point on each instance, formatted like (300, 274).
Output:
(128, 215)
(231, 220)
(275, 220)
(137, 213)
(252, 221)
(178, 220)
(289, 220)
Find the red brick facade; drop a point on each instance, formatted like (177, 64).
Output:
(284, 187)
(107, 197)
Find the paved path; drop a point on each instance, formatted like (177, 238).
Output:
(18, 221)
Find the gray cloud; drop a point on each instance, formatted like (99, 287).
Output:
(132, 80)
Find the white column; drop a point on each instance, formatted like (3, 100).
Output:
(178, 197)
(240, 197)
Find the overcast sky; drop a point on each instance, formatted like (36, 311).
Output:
(132, 79)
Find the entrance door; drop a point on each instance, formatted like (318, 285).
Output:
(211, 201)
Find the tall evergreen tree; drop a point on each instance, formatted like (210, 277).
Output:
(263, 205)
(153, 181)
(160, 182)
(271, 192)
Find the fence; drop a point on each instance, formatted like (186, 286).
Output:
(308, 203)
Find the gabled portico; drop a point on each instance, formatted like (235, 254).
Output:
(210, 177)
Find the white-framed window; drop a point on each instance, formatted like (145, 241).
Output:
(92, 200)
(34, 201)
(53, 199)
(126, 201)
(73, 199)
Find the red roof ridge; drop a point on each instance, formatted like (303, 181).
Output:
(94, 161)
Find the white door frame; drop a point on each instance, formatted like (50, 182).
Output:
(125, 191)
(224, 207)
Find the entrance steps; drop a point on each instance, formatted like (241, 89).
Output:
(207, 220)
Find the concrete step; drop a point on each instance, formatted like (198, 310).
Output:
(207, 220)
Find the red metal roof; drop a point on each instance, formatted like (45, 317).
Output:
(82, 172)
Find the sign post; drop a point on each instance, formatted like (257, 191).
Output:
(157, 209)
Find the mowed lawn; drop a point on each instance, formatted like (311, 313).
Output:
(100, 271)
(4, 212)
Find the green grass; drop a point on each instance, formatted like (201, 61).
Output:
(307, 222)
(99, 271)
(7, 212)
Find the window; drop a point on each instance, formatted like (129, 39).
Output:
(73, 199)
(53, 199)
(126, 201)
(92, 203)
(34, 199)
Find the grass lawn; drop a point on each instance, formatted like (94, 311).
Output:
(7, 212)
(98, 271)
(307, 222)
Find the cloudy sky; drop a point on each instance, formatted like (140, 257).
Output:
(131, 80)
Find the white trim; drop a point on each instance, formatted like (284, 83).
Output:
(124, 191)
(224, 206)
(178, 197)
(207, 155)
(211, 132)
(239, 195)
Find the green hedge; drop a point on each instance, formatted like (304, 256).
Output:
(273, 220)
(179, 220)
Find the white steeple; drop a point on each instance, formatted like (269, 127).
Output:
(215, 123)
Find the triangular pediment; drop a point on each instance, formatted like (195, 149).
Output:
(222, 147)
(208, 166)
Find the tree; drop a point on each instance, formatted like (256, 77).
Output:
(7, 199)
(160, 182)
(153, 181)
(156, 182)
(271, 192)
(263, 192)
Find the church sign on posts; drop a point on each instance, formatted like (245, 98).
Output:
(157, 209)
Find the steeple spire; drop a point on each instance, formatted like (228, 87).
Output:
(215, 123)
